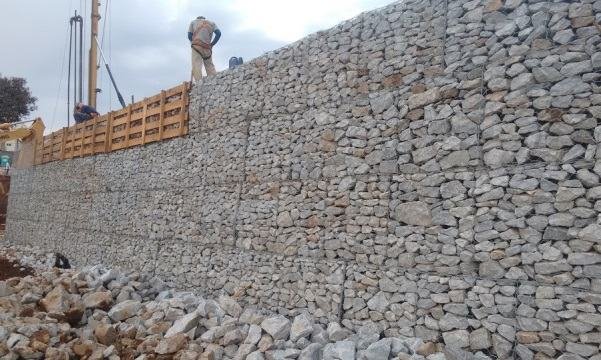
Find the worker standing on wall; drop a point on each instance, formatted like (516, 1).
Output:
(200, 34)
(83, 113)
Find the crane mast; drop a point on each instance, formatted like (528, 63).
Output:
(93, 58)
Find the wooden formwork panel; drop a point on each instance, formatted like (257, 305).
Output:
(159, 117)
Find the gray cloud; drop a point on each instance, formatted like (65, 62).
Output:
(147, 45)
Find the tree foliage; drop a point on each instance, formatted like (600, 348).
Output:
(16, 100)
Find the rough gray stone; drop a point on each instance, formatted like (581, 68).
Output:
(584, 258)
(571, 85)
(380, 350)
(591, 233)
(183, 324)
(421, 99)
(456, 158)
(491, 269)
(311, 352)
(497, 158)
(277, 326)
(336, 332)
(340, 350)
(230, 306)
(381, 103)
(379, 302)
(480, 339)
(413, 213)
(457, 338)
(546, 74)
(124, 310)
(564, 36)
(302, 326)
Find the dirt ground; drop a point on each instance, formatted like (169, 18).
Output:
(9, 269)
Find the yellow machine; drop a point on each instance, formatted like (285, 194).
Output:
(30, 137)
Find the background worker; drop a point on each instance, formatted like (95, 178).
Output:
(200, 34)
(83, 113)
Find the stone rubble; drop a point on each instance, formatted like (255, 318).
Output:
(431, 168)
(83, 314)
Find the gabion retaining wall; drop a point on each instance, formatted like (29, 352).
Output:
(431, 168)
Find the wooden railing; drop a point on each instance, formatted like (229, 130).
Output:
(160, 117)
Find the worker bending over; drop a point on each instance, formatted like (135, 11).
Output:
(83, 113)
(200, 34)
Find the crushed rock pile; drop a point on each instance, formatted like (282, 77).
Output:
(100, 313)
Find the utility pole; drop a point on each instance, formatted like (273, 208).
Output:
(75, 55)
(93, 67)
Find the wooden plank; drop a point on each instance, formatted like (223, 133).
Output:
(174, 119)
(154, 98)
(174, 105)
(70, 143)
(73, 140)
(120, 112)
(64, 136)
(108, 137)
(144, 124)
(36, 153)
(137, 141)
(99, 132)
(116, 134)
(135, 128)
(94, 136)
(152, 126)
(186, 108)
(43, 146)
(82, 129)
(128, 127)
(162, 114)
(152, 137)
(57, 145)
(171, 133)
(51, 144)
(159, 117)
(118, 146)
(153, 111)
(120, 121)
(119, 133)
(176, 90)
(100, 135)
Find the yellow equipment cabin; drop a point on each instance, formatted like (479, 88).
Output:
(30, 137)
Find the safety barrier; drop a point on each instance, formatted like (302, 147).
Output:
(160, 117)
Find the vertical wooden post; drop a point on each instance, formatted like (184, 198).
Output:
(51, 146)
(184, 109)
(93, 58)
(81, 138)
(94, 134)
(162, 115)
(37, 149)
(108, 133)
(71, 136)
(144, 121)
(63, 142)
(44, 150)
(35, 152)
(128, 126)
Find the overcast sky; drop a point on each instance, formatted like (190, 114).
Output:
(146, 42)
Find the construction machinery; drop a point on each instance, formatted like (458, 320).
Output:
(30, 137)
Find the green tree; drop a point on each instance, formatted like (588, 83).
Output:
(16, 100)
